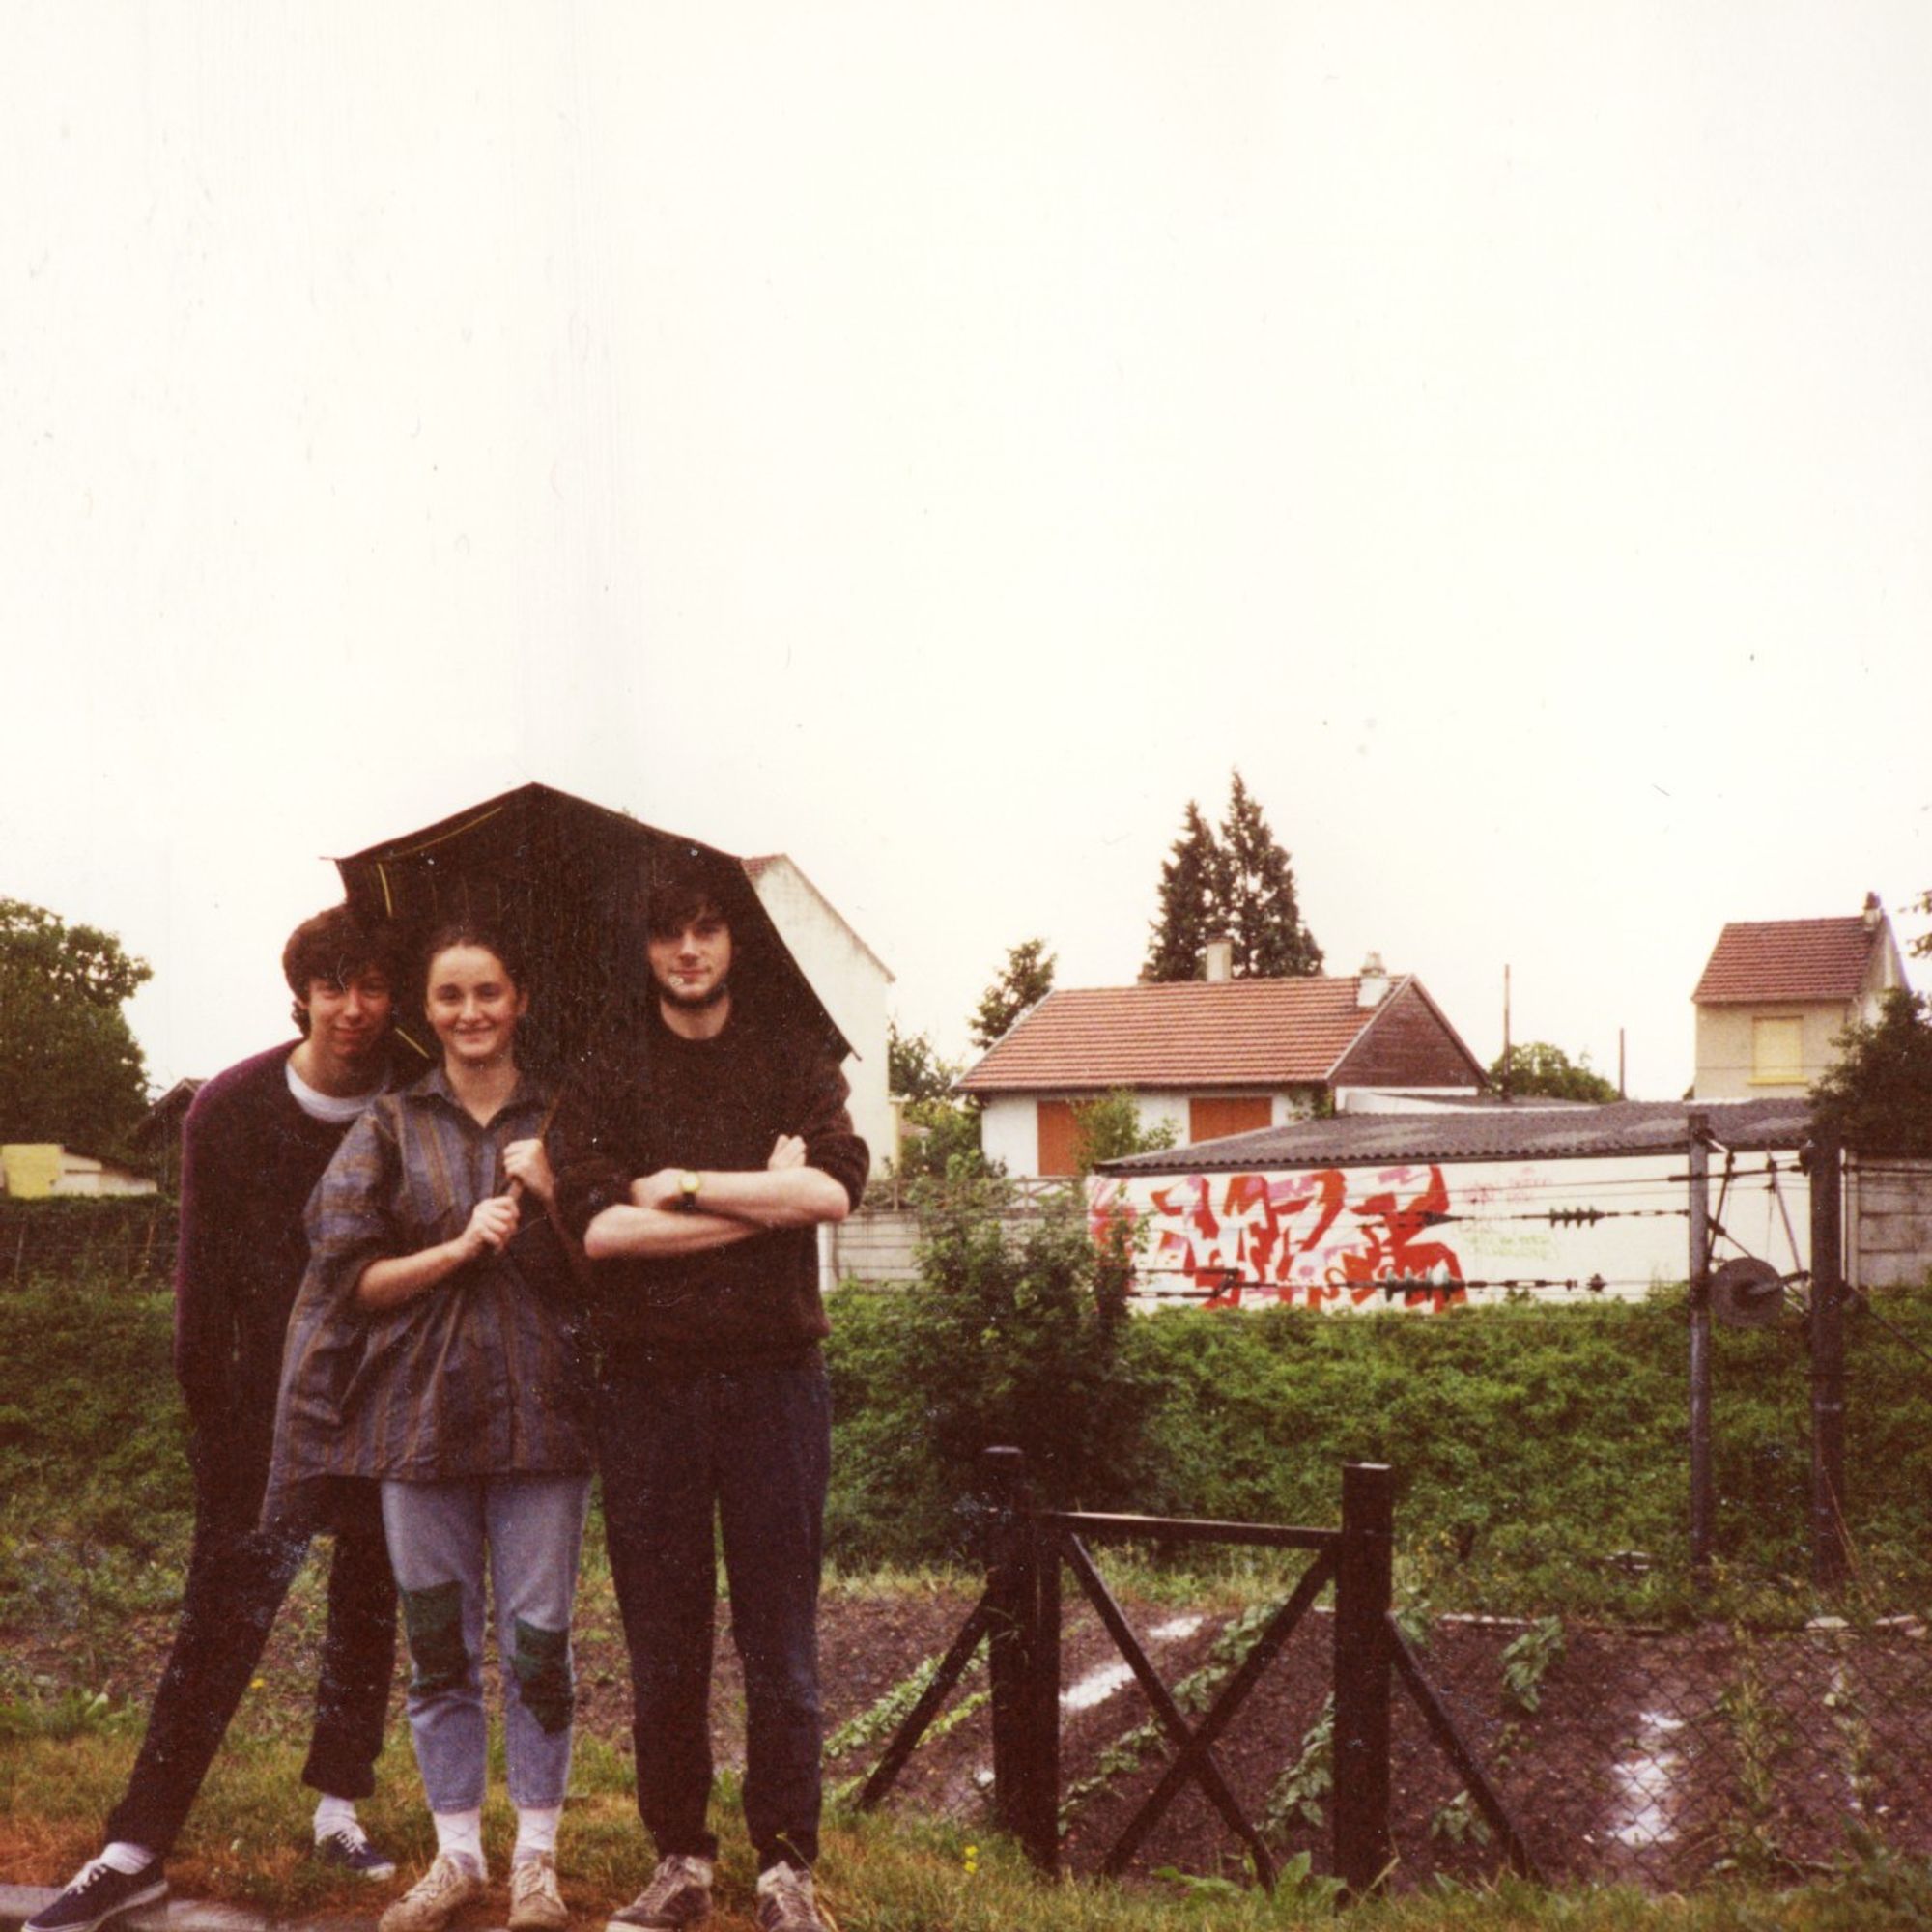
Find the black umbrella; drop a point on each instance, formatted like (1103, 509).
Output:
(569, 881)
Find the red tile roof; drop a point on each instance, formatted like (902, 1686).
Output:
(1232, 1033)
(1788, 959)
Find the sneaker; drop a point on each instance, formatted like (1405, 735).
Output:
(536, 1905)
(97, 1893)
(435, 1898)
(348, 1849)
(679, 1894)
(786, 1902)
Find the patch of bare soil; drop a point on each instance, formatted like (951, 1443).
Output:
(1652, 1759)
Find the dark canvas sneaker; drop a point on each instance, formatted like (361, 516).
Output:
(678, 1894)
(97, 1893)
(786, 1902)
(348, 1849)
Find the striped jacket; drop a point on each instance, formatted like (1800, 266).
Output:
(478, 1376)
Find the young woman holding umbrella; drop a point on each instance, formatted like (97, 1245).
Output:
(432, 1348)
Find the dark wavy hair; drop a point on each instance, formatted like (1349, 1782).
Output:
(479, 932)
(338, 947)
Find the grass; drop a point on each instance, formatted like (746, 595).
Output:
(1533, 1445)
(245, 1846)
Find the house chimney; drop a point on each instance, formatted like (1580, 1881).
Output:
(1372, 988)
(1217, 960)
(1874, 912)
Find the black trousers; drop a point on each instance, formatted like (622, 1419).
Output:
(236, 1577)
(748, 1450)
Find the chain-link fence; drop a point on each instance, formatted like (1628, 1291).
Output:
(130, 1241)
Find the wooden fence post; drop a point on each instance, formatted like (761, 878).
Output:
(1012, 1591)
(1364, 1595)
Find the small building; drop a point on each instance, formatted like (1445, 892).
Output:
(158, 1134)
(850, 981)
(1776, 995)
(1212, 1057)
(1423, 1213)
(44, 1170)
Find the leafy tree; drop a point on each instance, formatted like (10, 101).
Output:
(1536, 1068)
(1239, 884)
(1110, 1128)
(1922, 946)
(913, 1069)
(1025, 981)
(1877, 1098)
(1190, 889)
(70, 1068)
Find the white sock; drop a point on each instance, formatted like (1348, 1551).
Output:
(126, 1857)
(334, 1814)
(461, 1833)
(536, 1833)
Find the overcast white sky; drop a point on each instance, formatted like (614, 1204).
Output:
(938, 442)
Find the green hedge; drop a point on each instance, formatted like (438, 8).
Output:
(1540, 1452)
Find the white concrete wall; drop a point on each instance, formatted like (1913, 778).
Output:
(850, 982)
(1325, 1237)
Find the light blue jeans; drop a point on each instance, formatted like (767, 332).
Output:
(528, 1531)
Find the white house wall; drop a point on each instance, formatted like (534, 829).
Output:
(851, 982)
(1328, 1238)
(1010, 1124)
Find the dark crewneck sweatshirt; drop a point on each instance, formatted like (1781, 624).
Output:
(720, 1103)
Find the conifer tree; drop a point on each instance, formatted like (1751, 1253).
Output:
(1258, 908)
(1189, 888)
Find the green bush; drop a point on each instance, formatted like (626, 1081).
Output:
(1539, 1451)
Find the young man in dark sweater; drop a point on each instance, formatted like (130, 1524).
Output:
(712, 1160)
(255, 1143)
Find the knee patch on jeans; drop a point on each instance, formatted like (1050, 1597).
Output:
(541, 1661)
(432, 1619)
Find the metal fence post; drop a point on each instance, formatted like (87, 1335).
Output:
(1827, 1366)
(1702, 1484)
(1364, 1594)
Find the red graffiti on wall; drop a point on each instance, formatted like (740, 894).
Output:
(1299, 1237)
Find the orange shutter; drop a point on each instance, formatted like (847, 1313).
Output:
(1210, 1120)
(1059, 1138)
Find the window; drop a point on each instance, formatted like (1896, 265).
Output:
(1059, 1138)
(1208, 1119)
(1777, 1053)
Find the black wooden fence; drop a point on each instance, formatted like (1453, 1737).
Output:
(1019, 1616)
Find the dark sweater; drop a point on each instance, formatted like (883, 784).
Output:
(718, 1104)
(250, 1158)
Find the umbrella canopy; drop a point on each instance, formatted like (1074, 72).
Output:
(569, 881)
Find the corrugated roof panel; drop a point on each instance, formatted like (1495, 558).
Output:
(1500, 1133)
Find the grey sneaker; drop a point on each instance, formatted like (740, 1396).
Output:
(679, 1894)
(786, 1902)
(435, 1898)
(536, 1905)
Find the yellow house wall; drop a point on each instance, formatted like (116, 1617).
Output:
(31, 1170)
(1724, 1049)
